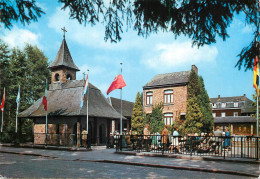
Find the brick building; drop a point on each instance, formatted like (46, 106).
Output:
(64, 98)
(171, 89)
(235, 113)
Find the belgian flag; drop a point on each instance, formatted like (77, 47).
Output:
(256, 75)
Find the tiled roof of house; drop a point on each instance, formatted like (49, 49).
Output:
(65, 99)
(234, 119)
(244, 103)
(168, 79)
(63, 58)
(127, 106)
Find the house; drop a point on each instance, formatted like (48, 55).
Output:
(127, 109)
(170, 89)
(65, 116)
(234, 112)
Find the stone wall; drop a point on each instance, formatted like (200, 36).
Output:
(63, 75)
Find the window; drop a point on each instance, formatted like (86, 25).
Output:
(214, 105)
(69, 77)
(223, 114)
(235, 113)
(168, 96)
(223, 105)
(235, 104)
(214, 114)
(149, 98)
(168, 118)
(57, 77)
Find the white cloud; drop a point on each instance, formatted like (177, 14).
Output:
(93, 70)
(18, 37)
(178, 54)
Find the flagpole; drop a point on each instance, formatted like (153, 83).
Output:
(2, 121)
(121, 104)
(2, 124)
(16, 123)
(87, 106)
(46, 113)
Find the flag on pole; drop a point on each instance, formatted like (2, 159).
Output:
(256, 75)
(118, 83)
(44, 100)
(85, 91)
(18, 100)
(3, 102)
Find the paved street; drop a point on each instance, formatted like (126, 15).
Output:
(14, 165)
(31, 162)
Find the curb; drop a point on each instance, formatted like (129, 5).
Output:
(45, 147)
(208, 158)
(180, 168)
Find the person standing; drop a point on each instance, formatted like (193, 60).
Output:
(146, 137)
(84, 137)
(217, 134)
(165, 137)
(175, 140)
(227, 139)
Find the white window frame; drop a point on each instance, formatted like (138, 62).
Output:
(235, 104)
(149, 98)
(223, 105)
(214, 114)
(223, 114)
(168, 118)
(168, 96)
(235, 114)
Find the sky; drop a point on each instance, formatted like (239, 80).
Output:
(142, 58)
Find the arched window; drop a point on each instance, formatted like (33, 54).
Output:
(57, 77)
(149, 98)
(168, 96)
(168, 118)
(69, 77)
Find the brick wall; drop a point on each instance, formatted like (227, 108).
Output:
(63, 75)
(179, 100)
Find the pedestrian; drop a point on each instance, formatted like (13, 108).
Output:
(175, 140)
(84, 137)
(217, 134)
(146, 137)
(165, 137)
(227, 139)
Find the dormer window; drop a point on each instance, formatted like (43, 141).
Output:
(69, 77)
(223, 105)
(57, 77)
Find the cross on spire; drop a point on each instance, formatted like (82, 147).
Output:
(64, 31)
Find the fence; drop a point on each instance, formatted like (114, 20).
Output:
(235, 146)
(50, 139)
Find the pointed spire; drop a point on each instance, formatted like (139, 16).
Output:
(63, 58)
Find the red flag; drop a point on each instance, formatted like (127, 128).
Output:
(3, 102)
(118, 83)
(44, 99)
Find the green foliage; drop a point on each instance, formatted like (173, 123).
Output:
(207, 118)
(202, 21)
(137, 119)
(25, 67)
(156, 119)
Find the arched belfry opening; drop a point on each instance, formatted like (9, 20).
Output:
(63, 67)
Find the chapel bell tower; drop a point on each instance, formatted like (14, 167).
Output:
(63, 67)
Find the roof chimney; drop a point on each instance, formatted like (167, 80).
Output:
(218, 96)
(244, 95)
(194, 68)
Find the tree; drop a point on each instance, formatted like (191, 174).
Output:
(27, 68)
(156, 119)
(206, 110)
(193, 122)
(137, 119)
(202, 21)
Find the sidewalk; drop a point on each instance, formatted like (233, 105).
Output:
(100, 154)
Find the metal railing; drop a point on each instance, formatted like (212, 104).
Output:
(233, 147)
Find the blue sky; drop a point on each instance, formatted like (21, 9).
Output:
(142, 58)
